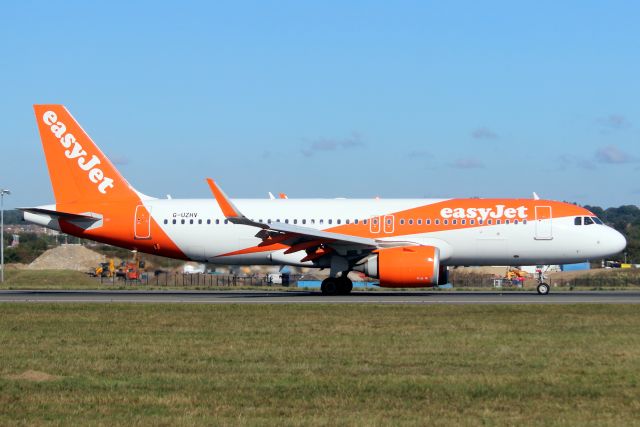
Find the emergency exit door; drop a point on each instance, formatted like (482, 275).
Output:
(142, 223)
(543, 223)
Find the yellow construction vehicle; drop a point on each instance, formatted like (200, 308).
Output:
(105, 269)
(515, 273)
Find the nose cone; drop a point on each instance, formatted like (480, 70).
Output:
(615, 242)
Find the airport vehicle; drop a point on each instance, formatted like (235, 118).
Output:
(402, 242)
(105, 269)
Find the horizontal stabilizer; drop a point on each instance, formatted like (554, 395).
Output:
(62, 215)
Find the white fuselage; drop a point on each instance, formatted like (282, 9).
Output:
(201, 231)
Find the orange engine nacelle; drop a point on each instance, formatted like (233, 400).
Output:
(404, 267)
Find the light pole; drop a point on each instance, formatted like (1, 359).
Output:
(2, 193)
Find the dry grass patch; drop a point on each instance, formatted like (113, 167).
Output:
(35, 376)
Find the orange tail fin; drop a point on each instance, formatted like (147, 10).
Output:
(79, 171)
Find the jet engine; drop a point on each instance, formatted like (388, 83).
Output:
(404, 267)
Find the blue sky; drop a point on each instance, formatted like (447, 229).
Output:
(333, 98)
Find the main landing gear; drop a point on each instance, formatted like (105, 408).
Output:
(336, 286)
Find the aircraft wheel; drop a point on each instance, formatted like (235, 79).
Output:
(330, 286)
(543, 289)
(345, 286)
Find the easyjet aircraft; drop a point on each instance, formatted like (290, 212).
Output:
(401, 242)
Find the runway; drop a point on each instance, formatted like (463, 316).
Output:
(307, 297)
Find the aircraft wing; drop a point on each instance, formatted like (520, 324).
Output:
(315, 243)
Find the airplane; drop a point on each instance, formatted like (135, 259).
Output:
(399, 242)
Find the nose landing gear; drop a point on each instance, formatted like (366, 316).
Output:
(543, 288)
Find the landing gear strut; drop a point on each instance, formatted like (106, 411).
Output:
(336, 285)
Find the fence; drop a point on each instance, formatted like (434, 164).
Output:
(585, 282)
(199, 280)
(203, 280)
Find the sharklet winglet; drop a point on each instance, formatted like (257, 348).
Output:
(229, 210)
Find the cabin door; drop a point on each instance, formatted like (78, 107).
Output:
(543, 223)
(142, 223)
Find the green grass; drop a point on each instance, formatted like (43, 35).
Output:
(47, 279)
(320, 364)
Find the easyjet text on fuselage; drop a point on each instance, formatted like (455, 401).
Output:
(499, 211)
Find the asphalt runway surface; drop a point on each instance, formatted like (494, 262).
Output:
(311, 297)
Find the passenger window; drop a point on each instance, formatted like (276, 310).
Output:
(322, 221)
(268, 221)
(304, 221)
(166, 221)
(355, 221)
(295, 221)
(346, 221)
(286, 221)
(437, 221)
(338, 221)
(428, 222)
(208, 221)
(506, 221)
(577, 220)
(313, 221)
(490, 221)
(364, 221)
(515, 221)
(472, 221)
(174, 221)
(402, 222)
(419, 222)
(217, 221)
(226, 221)
(410, 222)
(524, 221)
(454, 222)
(463, 221)
(588, 221)
(498, 221)
(182, 221)
(190, 221)
(199, 221)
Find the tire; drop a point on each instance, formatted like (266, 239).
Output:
(345, 285)
(330, 286)
(543, 289)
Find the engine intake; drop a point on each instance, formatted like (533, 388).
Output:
(404, 267)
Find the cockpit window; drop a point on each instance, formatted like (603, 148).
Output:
(588, 220)
(597, 220)
(578, 220)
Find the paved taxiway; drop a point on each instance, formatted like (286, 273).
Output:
(306, 297)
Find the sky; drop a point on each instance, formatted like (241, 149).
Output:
(352, 99)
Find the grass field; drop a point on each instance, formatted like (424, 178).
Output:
(319, 365)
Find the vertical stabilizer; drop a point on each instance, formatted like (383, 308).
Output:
(79, 171)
